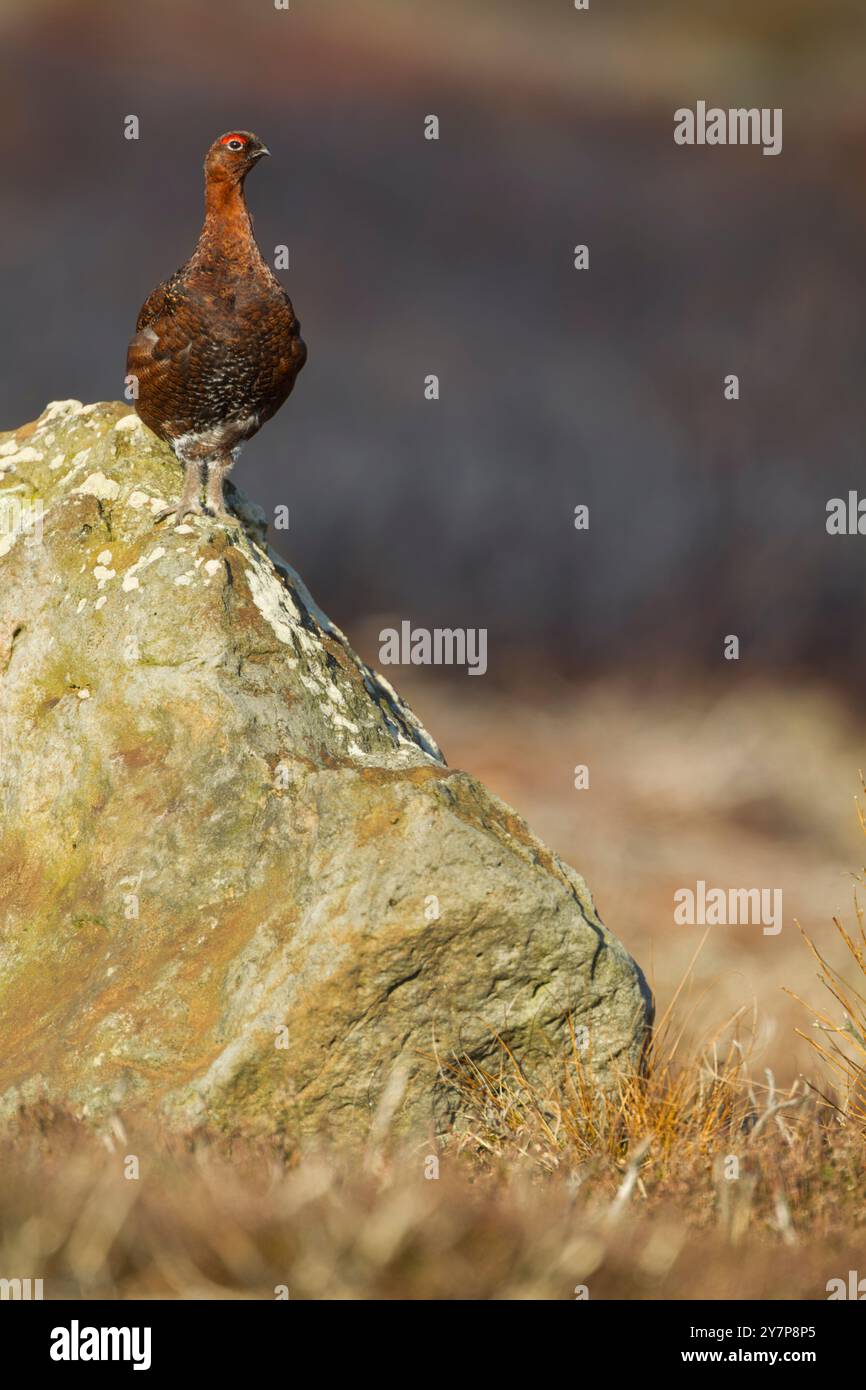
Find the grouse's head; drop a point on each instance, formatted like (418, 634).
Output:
(231, 157)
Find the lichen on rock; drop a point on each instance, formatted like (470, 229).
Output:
(239, 886)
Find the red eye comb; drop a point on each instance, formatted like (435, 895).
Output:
(233, 136)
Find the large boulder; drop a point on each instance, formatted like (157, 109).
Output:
(239, 886)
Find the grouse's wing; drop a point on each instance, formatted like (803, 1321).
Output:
(160, 301)
(158, 355)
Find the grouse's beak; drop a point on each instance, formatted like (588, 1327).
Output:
(263, 149)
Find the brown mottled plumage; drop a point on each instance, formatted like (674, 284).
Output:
(218, 346)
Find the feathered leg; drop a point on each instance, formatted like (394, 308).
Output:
(215, 503)
(190, 497)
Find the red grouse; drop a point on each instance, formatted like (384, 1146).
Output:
(218, 346)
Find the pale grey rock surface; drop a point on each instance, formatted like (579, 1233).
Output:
(238, 885)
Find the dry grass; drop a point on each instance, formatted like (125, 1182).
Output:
(695, 1180)
(845, 1047)
(658, 1192)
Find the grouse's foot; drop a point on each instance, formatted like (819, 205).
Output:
(189, 503)
(180, 511)
(222, 515)
(214, 497)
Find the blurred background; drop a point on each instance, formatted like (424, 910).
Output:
(558, 387)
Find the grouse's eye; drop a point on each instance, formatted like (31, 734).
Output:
(233, 142)
(236, 144)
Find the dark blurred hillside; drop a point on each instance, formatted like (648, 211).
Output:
(455, 258)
